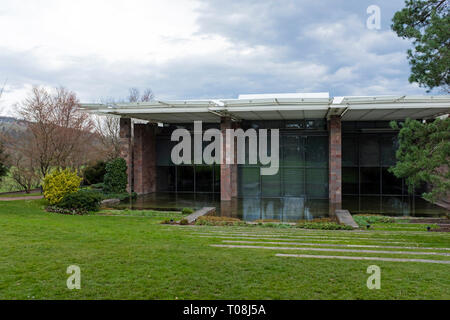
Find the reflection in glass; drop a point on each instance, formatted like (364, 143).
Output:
(390, 183)
(185, 178)
(370, 180)
(317, 151)
(317, 183)
(203, 178)
(350, 180)
(294, 182)
(369, 151)
(249, 181)
(165, 179)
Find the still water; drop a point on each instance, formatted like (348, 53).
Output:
(286, 209)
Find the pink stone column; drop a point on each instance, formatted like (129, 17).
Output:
(225, 169)
(335, 163)
(144, 158)
(234, 167)
(126, 150)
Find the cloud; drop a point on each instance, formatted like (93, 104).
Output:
(200, 49)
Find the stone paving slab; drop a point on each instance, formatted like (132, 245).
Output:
(291, 239)
(333, 245)
(330, 250)
(344, 217)
(300, 237)
(198, 213)
(361, 258)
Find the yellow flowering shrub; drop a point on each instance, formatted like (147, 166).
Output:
(59, 183)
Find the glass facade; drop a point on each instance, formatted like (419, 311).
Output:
(368, 150)
(300, 188)
(200, 178)
(303, 170)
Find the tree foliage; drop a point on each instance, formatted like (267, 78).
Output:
(116, 177)
(93, 174)
(427, 24)
(423, 156)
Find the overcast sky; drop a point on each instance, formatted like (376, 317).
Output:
(200, 49)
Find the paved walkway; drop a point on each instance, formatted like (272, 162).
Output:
(20, 198)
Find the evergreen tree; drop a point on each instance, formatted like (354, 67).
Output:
(427, 24)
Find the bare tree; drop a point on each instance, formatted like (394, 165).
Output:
(59, 134)
(147, 95)
(135, 96)
(24, 172)
(107, 128)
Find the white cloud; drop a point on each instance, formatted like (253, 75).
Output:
(198, 49)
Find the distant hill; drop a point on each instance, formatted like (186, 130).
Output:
(13, 126)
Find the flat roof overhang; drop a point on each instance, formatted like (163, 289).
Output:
(350, 108)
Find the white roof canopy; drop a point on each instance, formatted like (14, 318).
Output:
(281, 107)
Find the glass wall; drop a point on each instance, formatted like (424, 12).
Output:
(368, 150)
(303, 168)
(183, 178)
(303, 164)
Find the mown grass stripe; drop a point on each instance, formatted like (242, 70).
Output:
(330, 250)
(333, 245)
(361, 258)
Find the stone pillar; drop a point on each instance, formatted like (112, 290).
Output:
(234, 167)
(126, 150)
(144, 158)
(335, 163)
(225, 169)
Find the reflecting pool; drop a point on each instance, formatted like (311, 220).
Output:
(287, 209)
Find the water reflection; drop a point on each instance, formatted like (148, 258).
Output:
(286, 209)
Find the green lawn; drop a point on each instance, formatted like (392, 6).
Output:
(136, 257)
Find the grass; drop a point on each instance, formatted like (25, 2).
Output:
(131, 255)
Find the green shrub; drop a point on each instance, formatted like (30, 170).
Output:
(94, 174)
(323, 226)
(83, 201)
(60, 183)
(187, 211)
(99, 185)
(116, 178)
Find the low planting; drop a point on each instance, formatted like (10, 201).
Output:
(187, 210)
(323, 226)
(218, 221)
(364, 219)
(80, 202)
